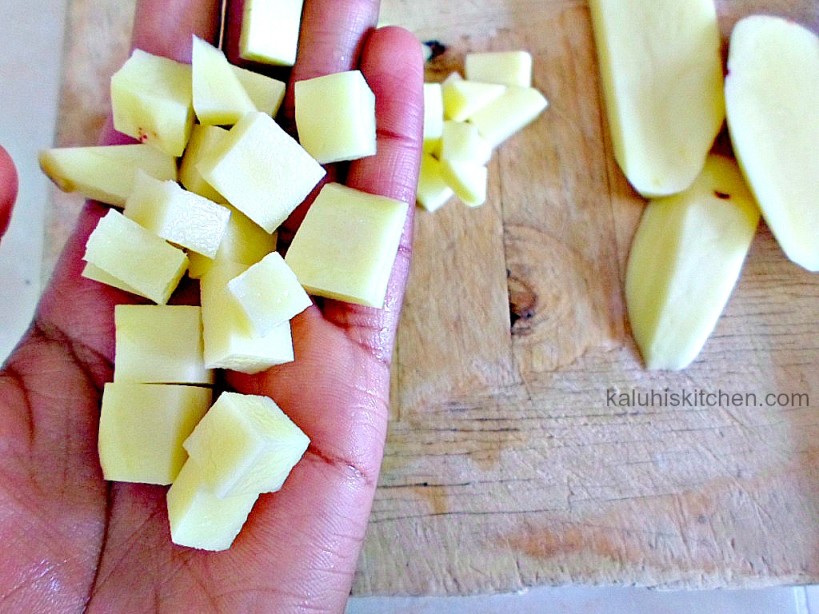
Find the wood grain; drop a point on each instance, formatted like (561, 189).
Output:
(507, 464)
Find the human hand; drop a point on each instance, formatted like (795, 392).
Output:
(73, 541)
(8, 189)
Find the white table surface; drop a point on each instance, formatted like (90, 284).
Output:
(30, 66)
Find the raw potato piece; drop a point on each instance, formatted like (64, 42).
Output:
(684, 262)
(433, 116)
(159, 344)
(105, 173)
(467, 179)
(462, 142)
(136, 257)
(269, 293)
(266, 92)
(142, 427)
(504, 67)
(335, 117)
(181, 217)
(346, 245)
(270, 31)
(152, 101)
(261, 170)
(94, 273)
(245, 445)
(203, 140)
(463, 98)
(506, 115)
(200, 519)
(230, 341)
(661, 74)
(218, 96)
(772, 92)
(433, 192)
(244, 243)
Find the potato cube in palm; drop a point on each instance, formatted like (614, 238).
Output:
(245, 445)
(219, 98)
(346, 246)
(261, 170)
(142, 428)
(335, 117)
(159, 344)
(152, 101)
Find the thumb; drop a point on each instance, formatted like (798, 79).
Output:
(8, 189)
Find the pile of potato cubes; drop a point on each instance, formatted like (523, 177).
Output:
(241, 176)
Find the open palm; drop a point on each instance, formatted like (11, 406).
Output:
(73, 541)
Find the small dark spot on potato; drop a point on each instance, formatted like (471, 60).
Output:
(722, 195)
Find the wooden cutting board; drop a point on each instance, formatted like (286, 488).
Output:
(518, 454)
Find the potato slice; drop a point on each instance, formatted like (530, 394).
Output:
(270, 31)
(136, 257)
(178, 216)
(661, 73)
(159, 344)
(219, 98)
(105, 173)
(245, 445)
(504, 67)
(346, 245)
(261, 170)
(142, 427)
(686, 258)
(771, 91)
(152, 101)
(335, 117)
(200, 519)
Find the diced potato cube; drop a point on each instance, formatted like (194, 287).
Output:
(219, 98)
(467, 179)
(142, 427)
(245, 445)
(463, 98)
(181, 217)
(270, 31)
(335, 117)
(461, 141)
(105, 173)
(136, 257)
(269, 293)
(261, 170)
(346, 245)
(230, 341)
(504, 67)
(509, 113)
(266, 92)
(433, 116)
(433, 192)
(203, 140)
(152, 101)
(200, 519)
(159, 344)
(244, 242)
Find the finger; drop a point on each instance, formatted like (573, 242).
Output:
(77, 306)
(393, 66)
(8, 189)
